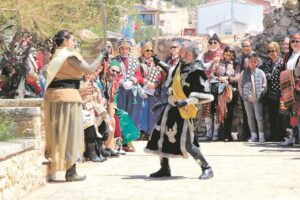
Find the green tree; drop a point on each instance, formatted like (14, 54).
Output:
(45, 17)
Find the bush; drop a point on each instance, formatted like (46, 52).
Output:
(5, 128)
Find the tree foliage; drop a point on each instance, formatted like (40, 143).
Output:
(45, 17)
(187, 3)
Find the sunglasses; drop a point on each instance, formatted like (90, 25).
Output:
(173, 47)
(212, 42)
(245, 46)
(295, 41)
(108, 46)
(149, 50)
(272, 51)
(115, 71)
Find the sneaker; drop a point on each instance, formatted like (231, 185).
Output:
(261, 140)
(288, 142)
(253, 138)
(215, 139)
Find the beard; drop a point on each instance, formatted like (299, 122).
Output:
(182, 61)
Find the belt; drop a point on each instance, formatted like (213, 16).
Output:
(67, 83)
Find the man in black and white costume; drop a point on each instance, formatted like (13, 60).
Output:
(173, 134)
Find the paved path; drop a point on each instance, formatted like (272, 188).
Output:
(242, 171)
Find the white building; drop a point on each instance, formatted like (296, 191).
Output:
(229, 17)
(174, 20)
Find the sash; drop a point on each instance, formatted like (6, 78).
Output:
(188, 111)
(58, 59)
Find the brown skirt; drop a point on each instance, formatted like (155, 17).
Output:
(64, 134)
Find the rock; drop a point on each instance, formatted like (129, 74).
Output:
(295, 23)
(297, 18)
(291, 13)
(277, 30)
(285, 21)
(269, 21)
(277, 16)
(292, 30)
(282, 11)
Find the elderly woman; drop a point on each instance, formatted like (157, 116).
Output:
(63, 106)
(272, 68)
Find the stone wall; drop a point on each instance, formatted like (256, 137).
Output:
(21, 159)
(281, 22)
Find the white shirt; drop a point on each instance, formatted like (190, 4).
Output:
(291, 64)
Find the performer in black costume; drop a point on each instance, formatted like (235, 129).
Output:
(173, 134)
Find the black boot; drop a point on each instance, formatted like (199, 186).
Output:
(207, 173)
(164, 171)
(93, 155)
(71, 175)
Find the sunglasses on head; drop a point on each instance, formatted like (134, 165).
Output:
(212, 42)
(149, 50)
(115, 71)
(272, 51)
(295, 41)
(173, 47)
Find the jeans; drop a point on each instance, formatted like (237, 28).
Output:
(255, 112)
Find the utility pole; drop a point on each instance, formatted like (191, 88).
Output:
(157, 27)
(104, 22)
(232, 11)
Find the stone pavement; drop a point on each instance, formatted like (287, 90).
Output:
(242, 171)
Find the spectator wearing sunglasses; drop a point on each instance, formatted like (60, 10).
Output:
(212, 56)
(172, 60)
(272, 67)
(285, 48)
(150, 82)
(292, 63)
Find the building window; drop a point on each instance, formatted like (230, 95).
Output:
(147, 19)
(228, 31)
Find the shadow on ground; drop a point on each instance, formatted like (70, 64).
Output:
(275, 145)
(147, 178)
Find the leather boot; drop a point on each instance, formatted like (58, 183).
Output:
(207, 173)
(71, 175)
(164, 171)
(93, 155)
